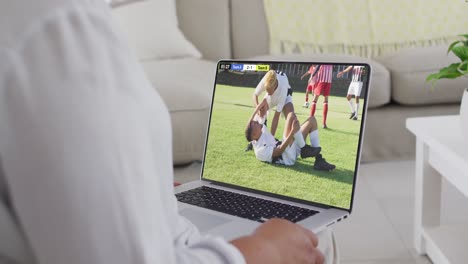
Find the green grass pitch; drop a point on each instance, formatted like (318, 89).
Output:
(227, 162)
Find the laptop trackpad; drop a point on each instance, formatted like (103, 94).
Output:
(204, 221)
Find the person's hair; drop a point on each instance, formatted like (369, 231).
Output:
(248, 132)
(270, 81)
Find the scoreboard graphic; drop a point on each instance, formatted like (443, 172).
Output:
(244, 67)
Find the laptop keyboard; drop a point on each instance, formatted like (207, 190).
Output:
(244, 206)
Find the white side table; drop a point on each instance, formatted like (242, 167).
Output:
(440, 152)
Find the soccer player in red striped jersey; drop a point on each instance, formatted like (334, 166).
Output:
(323, 78)
(310, 84)
(355, 88)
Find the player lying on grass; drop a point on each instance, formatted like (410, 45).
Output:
(267, 149)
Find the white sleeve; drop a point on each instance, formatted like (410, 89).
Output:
(264, 153)
(86, 150)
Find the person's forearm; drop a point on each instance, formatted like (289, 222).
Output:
(288, 140)
(279, 150)
(347, 69)
(255, 99)
(257, 109)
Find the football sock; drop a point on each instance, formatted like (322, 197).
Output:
(312, 109)
(351, 105)
(325, 112)
(357, 110)
(299, 139)
(314, 138)
(307, 97)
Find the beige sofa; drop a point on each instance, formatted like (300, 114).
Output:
(227, 29)
(237, 29)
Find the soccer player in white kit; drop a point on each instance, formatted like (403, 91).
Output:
(355, 88)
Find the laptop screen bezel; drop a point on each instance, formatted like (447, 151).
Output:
(274, 195)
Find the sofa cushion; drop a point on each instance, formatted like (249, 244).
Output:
(195, 17)
(249, 29)
(409, 69)
(379, 93)
(152, 31)
(186, 86)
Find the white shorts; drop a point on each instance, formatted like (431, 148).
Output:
(290, 154)
(355, 88)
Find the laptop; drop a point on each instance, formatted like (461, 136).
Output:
(239, 188)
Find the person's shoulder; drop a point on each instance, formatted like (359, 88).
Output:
(283, 81)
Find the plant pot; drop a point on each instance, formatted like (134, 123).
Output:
(464, 114)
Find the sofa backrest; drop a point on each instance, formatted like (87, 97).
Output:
(223, 29)
(206, 23)
(249, 29)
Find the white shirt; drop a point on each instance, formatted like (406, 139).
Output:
(357, 73)
(278, 98)
(85, 143)
(264, 146)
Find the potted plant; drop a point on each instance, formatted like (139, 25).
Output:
(457, 70)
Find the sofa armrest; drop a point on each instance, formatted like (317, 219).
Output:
(206, 23)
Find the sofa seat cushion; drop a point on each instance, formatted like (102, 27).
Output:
(186, 86)
(409, 69)
(379, 93)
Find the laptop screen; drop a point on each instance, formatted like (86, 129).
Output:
(288, 129)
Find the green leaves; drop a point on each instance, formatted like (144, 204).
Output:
(454, 70)
(461, 52)
(449, 72)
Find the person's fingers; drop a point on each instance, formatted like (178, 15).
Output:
(319, 257)
(312, 236)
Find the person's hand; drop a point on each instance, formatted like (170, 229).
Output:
(339, 74)
(263, 110)
(263, 104)
(279, 241)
